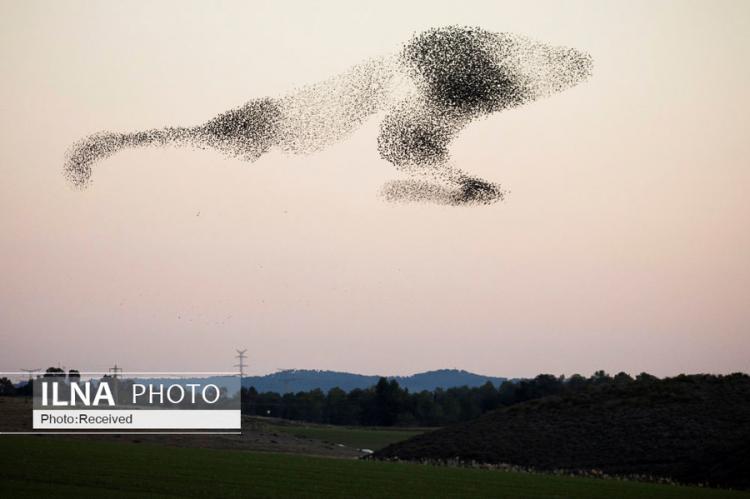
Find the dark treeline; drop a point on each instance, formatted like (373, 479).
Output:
(24, 389)
(387, 404)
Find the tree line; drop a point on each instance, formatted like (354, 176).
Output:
(7, 388)
(388, 404)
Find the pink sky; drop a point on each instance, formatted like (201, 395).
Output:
(623, 246)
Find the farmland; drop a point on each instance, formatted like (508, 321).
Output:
(357, 438)
(34, 466)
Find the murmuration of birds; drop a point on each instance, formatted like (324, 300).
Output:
(438, 82)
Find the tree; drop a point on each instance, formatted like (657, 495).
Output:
(646, 378)
(337, 408)
(622, 379)
(249, 399)
(426, 411)
(506, 394)
(546, 384)
(6, 387)
(576, 382)
(25, 390)
(54, 372)
(388, 401)
(488, 399)
(600, 377)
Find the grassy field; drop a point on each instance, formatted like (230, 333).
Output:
(33, 466)
(358, 438)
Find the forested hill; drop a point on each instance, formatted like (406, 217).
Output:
(300, 380)
(689, 428)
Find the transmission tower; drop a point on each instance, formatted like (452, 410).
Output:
(31, 372)
(241, 356)
(115, 370)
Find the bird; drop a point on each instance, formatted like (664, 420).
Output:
(426, 92)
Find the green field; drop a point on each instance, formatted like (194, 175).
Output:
(358, 438)
(57, 467)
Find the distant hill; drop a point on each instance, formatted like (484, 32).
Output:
(301, 380)
(693, 429)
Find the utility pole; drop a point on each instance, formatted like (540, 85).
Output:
(241, 356)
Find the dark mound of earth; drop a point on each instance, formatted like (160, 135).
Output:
(692, 429)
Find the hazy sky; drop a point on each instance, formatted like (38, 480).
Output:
(624, 245)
